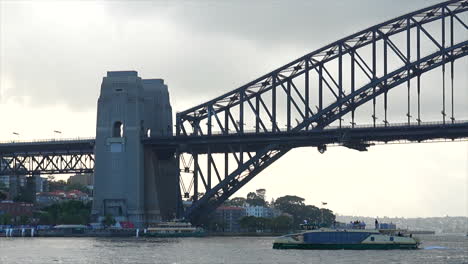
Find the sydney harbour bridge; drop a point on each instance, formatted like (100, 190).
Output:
(367, 88)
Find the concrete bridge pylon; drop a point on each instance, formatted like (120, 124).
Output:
(132, 182)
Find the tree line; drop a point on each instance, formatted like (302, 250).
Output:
(69, 212)
(292, 206)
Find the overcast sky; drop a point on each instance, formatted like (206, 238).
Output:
(53, 55)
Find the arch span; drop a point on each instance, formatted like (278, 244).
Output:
(325, 96)
(251, 98)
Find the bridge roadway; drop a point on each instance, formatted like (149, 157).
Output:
(357, 137)
(251, 141)
(65, 146)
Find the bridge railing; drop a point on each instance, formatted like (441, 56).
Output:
(252, 131)
(389, 125)
(46, 141)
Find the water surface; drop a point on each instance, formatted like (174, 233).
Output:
(435, 249)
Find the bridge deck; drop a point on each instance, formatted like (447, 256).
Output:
(251, 141)
(48, 146)
(346, 135)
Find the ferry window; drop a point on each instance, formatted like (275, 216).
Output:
(372, 239)
(391, 238)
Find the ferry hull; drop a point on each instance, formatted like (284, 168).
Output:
(343, 246)
(195, 234)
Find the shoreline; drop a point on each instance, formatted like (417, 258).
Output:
(28, 232)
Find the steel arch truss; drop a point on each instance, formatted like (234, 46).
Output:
(318, 90)
(47, 163)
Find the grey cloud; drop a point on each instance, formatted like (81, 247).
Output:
(201, 49)
(275, 22)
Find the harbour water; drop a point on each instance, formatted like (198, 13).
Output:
(435, 249)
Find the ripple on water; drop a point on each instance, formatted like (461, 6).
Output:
(436, 249)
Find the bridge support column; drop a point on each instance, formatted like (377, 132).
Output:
(132, 183)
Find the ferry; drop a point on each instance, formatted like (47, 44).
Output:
(174, 229)
(325, 238)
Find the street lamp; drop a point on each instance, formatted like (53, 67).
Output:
(323, 204)
(57, 132)
(16, 134)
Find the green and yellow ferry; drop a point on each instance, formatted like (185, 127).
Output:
(326, 238)
(174, 229)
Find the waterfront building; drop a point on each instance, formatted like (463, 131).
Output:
(14, 183)
(48, 198)
(78, 195)
(228, 217)
(20, 187)
(42, 183)
(17, 184)
(16, 209)
(261, 211)
(85, 179)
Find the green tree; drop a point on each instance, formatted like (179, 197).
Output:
(24, 195)
(281, 223)
(248, 222)
(108, 220)
(27, 193)
(293, 205)
(70, 212)
(5, 219)
(47, 218)
(216, 226)
(237, 201)
(312, 214)
(23, 220)
(261, 193)
(254, 200)
(327, 217)
(262, 223)
(252, 223)
(3, 187)
(286, 201)
(57, 185)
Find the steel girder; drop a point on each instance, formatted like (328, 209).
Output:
(315, 62)
(258, 160)
(352, 137)
(382, 85)
(48, 163)
(260, 97)
(48, 157)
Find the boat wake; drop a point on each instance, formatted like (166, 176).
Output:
(434, 247)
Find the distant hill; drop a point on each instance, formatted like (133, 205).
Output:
(449, 224)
